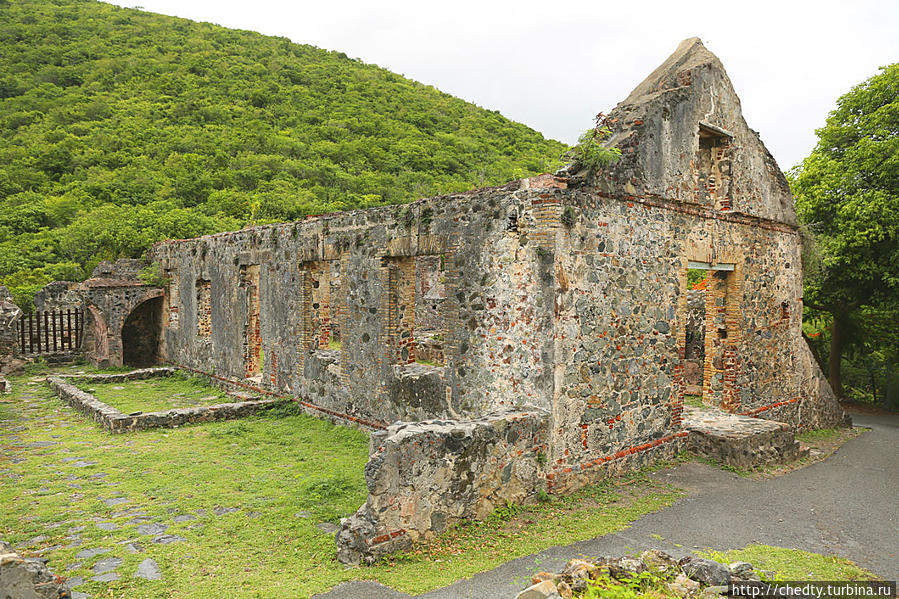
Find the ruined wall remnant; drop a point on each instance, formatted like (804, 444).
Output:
(10, 314)
(561, 295)
(426, 476)
(111, 296)
(24, 578)
(58, 296)
(117, 422)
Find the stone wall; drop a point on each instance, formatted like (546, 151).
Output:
(110, 297)
(739, 441)
(59, 296)
(22, 578)
(10, 314)
(566, 294)
(423, 477)
(116, 422)
(694, 344)
(494, 344)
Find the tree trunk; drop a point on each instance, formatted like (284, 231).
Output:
(837, 342)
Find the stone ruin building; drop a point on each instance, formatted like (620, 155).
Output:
(512, 340)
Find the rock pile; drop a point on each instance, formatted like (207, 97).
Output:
(689, 577)
(27, 578)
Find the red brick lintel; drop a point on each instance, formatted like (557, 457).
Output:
(769, 407)
(369, 423)
(617, 456)
(385, 537)
(702, 211)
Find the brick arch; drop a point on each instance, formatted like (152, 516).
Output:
(109, 307)
(96, 339)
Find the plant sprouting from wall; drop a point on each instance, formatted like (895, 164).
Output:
(590, 153)
(569, 217)
(153, 276)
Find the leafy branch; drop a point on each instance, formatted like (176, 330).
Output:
(591, 152)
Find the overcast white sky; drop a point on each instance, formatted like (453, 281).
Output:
(553, 66)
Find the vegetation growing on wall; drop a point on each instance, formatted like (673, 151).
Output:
(119, 128)
(591, 152)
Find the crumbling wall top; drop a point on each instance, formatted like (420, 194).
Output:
(683, 137)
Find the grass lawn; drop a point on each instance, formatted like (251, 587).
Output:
(794, 564)
(694, 400)
(247, 502)
(156, 394)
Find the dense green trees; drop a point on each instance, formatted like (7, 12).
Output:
(847, 192)
(119, 128)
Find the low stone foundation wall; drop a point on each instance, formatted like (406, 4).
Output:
(424, 476)
(117, 422)
(739, 441)
(22, 578)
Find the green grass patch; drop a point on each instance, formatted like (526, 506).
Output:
(694, 400)
(821, 434)
(156, 394)
(516, 531)
(722, 466)
(285, 472)
(332, 344)
(793, 564)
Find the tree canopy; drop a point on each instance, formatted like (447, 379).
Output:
(847, 193)
(120, 128)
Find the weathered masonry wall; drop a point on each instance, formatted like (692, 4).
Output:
(563, 293)
(622, 315)
(563, 296)
(9, 316)
(446, 281)
(469, 469)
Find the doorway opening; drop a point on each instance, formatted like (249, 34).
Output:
(710, 337)
(141, 334)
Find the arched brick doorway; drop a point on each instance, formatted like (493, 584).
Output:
(140, 334)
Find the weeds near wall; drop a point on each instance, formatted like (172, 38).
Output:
(569, 217)
(152, 275)
(590, 151)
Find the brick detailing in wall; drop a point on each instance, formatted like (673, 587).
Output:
(575, 476)
(316, 304)
(204, 308)
(401, 310)
(723, 335)
(173, 299)
(713, 170)
(547, 211)
(249, 282)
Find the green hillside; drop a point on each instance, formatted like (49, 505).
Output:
(121, 127)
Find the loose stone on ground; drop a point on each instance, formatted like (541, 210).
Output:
(149, 570)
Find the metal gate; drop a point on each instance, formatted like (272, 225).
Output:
(51, 332)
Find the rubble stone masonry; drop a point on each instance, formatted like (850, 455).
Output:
(563, 295)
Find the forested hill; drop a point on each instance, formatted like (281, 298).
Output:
(121, 127)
